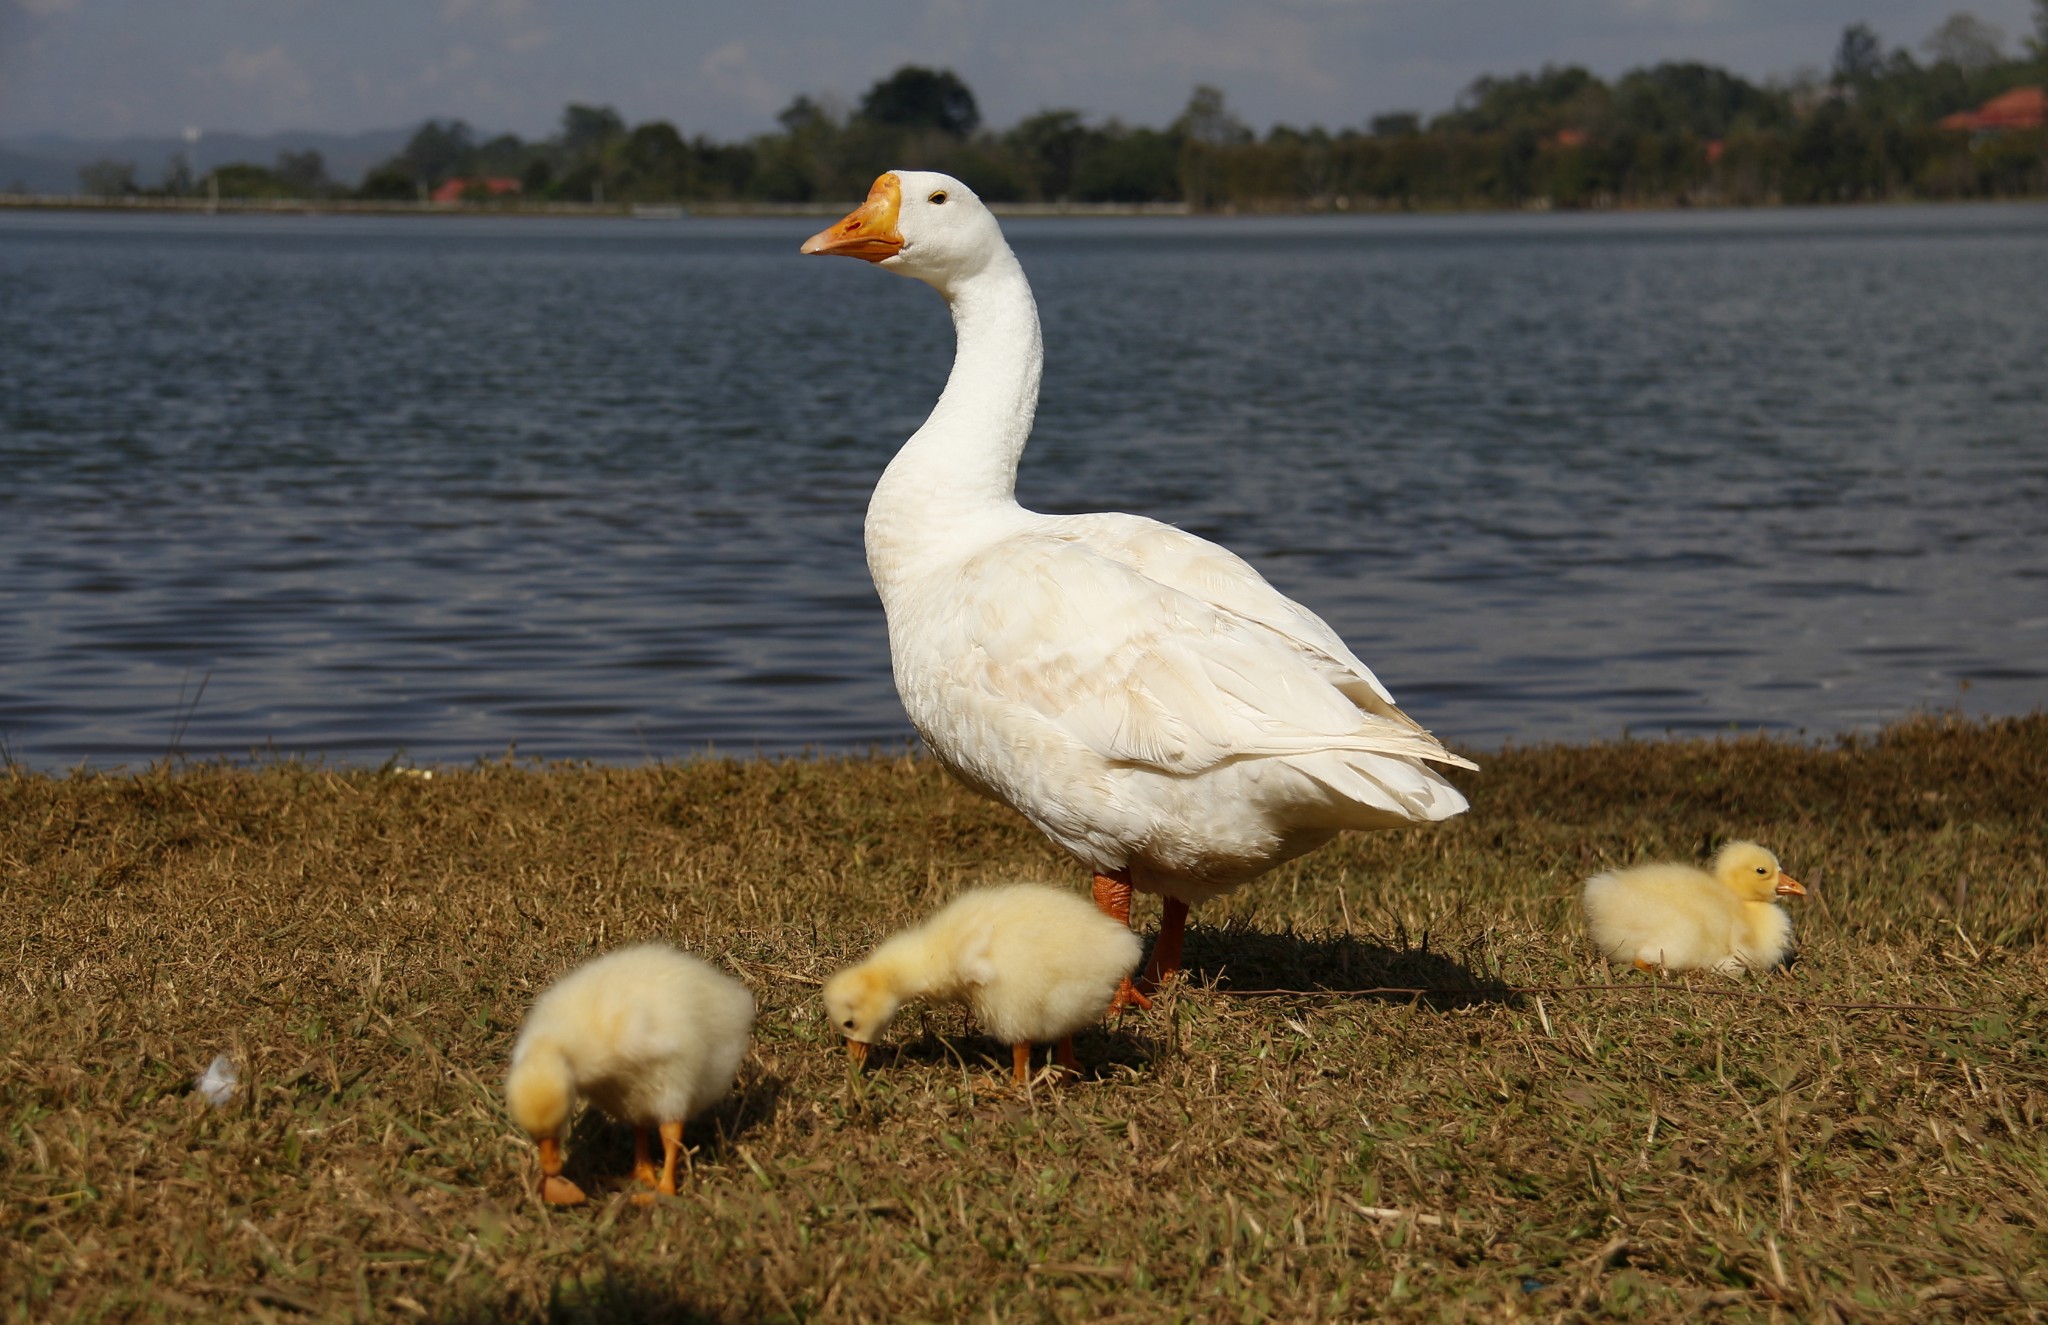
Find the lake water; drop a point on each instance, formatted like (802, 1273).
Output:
(365, 487)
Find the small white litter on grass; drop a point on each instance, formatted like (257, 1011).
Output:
(218, 1082)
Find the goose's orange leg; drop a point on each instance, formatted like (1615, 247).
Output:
(1113, 899)
(1173, 922)
(1063, 1054)
(1020, 1064)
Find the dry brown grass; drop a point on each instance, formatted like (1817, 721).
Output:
(364, 943)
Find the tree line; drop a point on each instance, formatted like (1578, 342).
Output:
(1674, 133)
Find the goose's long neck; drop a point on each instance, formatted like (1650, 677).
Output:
(955, 480)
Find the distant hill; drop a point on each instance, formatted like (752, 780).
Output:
(49, 163)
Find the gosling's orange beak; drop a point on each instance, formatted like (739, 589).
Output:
(1789, 886)
(857, 1050)
(554, 1188)
(869, 230)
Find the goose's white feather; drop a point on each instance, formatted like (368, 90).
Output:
(1142, 695)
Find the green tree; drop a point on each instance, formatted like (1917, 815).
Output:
(1697, 99)
(1859, 56)
(654, 164)
(504, 155)
(1542, 102)
(178, 178)
(303, 173)
(1209, 137)
(240, 179)
(1129, 165)
(915, 97)
(436, 152)
(1049, 146)
(1966, 41)
(589, 130)
(804, 116)
(1207, 119)
(107, 178)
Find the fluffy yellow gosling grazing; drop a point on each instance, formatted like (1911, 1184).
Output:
(1679, 918)
(1033, 964)
(648, 1035)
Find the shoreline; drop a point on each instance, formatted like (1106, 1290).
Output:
(612, 211)
(912, 752)
(32, 203)
(909, 748)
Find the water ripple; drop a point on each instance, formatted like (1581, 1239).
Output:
(595, 490)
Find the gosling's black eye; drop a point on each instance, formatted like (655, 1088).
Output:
(849, 1023)
(1761, 870)
(938, 197)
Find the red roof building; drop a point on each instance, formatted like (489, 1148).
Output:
(454, 189)
(2021, 108)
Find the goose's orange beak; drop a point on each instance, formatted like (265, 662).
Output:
(857, 1050)
(1789, 886)
(869, 230)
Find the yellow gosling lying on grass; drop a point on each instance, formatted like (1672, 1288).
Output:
(1032, 963)
(648, 1035)
(1680, 918)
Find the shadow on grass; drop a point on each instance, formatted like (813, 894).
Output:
(610, 1298)
(1235, 960)
(951, 1041)
(600, 1154)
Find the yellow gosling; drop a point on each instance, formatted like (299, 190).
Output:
(648, 1035)
(1681, 918)
(1033, 964)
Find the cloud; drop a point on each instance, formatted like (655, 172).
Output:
(46, 8)
(503, 11)
(516, 20)
(269, 70)
(1681, 11)
(730, 71)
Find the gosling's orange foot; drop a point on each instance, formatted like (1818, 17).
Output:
(1127, 996)
(1069, 1065)
(644, 1171)
(558, 1190)
(644, 1198)
(671, 1148)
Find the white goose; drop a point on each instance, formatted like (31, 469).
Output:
(1141, 695)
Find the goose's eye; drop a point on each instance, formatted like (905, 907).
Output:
(938, 197)
(849, 1023)
(1761, 870)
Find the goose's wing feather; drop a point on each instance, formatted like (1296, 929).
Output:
(1144, 673)
(1221, 578)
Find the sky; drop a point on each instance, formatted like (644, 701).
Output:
(108, 68)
